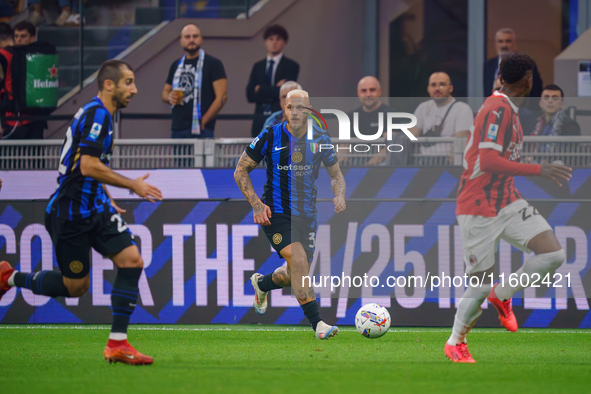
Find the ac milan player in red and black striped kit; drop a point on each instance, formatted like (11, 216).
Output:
(490, 208)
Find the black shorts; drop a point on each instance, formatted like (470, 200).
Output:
(106, 232)
(286, 230)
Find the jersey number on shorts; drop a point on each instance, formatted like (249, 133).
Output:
(528, 212)
(121, 226)
(312, 239)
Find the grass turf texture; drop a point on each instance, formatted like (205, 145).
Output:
(260, 359)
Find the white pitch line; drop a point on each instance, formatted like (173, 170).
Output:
(290, 329)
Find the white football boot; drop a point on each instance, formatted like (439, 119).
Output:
(260, 297)
(324, 331)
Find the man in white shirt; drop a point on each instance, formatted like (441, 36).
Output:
(442, 116)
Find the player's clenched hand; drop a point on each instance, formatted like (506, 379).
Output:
(145, 190)
(262, 214)
(556, 172)
(339, 204)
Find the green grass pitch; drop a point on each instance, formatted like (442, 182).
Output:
(279, 359)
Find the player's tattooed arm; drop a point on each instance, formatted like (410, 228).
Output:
(242, 178)
(337, 182)
(262, 213)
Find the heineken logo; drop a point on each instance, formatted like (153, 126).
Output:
(52, 71)
(42, 80)
(39, 83)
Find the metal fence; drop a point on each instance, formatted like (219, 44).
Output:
(224, 153)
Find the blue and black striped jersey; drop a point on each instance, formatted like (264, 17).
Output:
(292, 168)
(89, 133)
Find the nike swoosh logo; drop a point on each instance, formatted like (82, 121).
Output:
(129, 356)
(283, 147)
(110, 132)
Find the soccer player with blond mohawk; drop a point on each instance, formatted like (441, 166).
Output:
(288, 210)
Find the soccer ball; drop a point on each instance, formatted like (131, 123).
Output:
(372, 320)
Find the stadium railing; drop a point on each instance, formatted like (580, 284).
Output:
(224, 153)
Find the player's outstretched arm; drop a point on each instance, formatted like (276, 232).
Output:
(92, 167)
(261, 212)
(492, 162)
(556, 172)
(337, 183)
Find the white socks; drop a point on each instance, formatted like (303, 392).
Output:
(10, 280)
(541, 264)
(468, 312)
(118, 336)
(469, 306)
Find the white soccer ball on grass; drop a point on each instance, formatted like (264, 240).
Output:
(372, 320)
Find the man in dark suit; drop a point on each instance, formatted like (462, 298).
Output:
(505, 42)
(268, 75)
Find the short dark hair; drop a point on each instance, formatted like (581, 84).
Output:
(26, 25)
(5, 31)
(276, 30)
(554, 87)
(111, 70)
(514, 66)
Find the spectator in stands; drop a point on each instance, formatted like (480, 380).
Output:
(196, 87)
(505, 42)
(6, 11)
(554, 120)
(442, 116)
(66, 17)
(6, 35)
(279, 116)
(24, 33)
(268, 75)
(369, 91)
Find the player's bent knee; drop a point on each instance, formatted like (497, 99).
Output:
(552, 260)
(136, 262)
(77, 287)
(128, 258)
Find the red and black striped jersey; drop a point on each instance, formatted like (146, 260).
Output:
(496, 127)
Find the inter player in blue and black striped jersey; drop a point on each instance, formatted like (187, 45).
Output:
(288, 209)
(81, 215)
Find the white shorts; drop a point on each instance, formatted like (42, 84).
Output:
(517, 224)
